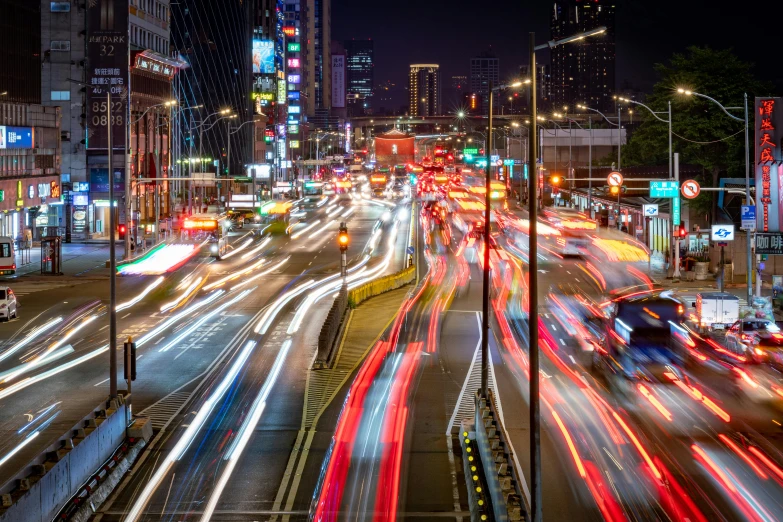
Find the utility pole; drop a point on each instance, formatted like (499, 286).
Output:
(112, 258)
(487, 236)
(535, 414)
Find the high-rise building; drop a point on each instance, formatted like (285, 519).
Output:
(141, 70)
(20, 56)
(583, 71)
(483, 69)
(317, 59)
(218, 46)
(543, 86)
(454, 97)
(424, 89)
(360, 75)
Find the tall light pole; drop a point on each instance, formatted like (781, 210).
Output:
(747, 170)
(535, 414)
(487, 237)
(673, 174)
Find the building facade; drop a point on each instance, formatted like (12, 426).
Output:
(424, 90)
(74, 77)
(483, 69)
(360, 75)
(583, 71)
(20, 57)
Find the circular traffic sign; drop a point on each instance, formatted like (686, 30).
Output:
(690, 189)
(498, 163)
(615, 179)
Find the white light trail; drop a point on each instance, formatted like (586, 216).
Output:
(321, 230)
(246, 431)
(238, 249)
(29, 337)
(142, 295)
(308, 227)
(178, 300)
(190, 433)
(264, 243)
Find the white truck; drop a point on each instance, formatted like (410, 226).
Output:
(716, 310)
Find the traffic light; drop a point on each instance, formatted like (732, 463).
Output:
(554, 180)
(614, 190)
(342, 237)
(121, 231)
(130, 360)
(682, 232)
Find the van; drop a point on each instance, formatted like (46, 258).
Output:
(7, 256)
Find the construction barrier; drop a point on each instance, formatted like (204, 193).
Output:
(380, 286)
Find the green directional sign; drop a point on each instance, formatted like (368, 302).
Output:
(664, 189)
(676, 211)
(472, 151)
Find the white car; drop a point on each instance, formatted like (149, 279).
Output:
(8, 303)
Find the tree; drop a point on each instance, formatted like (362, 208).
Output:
(703, 134)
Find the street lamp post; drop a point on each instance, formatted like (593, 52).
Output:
(535, 414)
(673, 173)
(747, 174)
(487, 236)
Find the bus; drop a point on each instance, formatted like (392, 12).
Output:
(276, 216)
(378, 182)
(208, 230)
(575, 229)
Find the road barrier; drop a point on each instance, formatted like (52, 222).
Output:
(40, 490)
(381, 285)
(496, 461)
(478, 500)
(331, 329)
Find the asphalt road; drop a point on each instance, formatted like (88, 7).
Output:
(226, 454)
(47, 397)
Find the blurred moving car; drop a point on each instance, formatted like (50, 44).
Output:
(8, 303)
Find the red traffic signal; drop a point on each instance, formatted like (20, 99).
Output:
(682, 232)
(121, 231)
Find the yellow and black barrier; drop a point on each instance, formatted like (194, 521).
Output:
(380, 286)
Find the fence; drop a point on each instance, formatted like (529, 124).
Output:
(379, 286)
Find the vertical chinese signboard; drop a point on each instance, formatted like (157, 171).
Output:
(767, 161)
(107, 69)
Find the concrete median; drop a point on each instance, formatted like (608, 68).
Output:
(43, 487)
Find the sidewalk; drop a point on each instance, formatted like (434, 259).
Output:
(78, 259)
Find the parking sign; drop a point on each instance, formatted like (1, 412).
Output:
(748, 216)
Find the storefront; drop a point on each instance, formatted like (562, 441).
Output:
(33, 204)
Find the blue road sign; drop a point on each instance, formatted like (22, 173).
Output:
(664, 189)
(410, 250)
(748, 217)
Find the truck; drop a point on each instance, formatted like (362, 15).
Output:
(716, 310)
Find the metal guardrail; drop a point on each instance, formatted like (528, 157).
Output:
(331, 328)
(502, 483)
(381, 285)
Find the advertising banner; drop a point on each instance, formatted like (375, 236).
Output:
(107, 70)
(263, 57)
(767, 161)
(16, 137)
(338, 81)
(99, 180)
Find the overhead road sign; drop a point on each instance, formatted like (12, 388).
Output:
(690, 189)
(614, 179)
(664, 189)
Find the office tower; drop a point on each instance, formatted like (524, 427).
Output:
(583, 71)
(424, 89)
(360, 75)
(20, 55)
(483, 69)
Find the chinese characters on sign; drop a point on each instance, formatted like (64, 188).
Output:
(767, 165)
(154, 66)
(769, 243)
(107, 71)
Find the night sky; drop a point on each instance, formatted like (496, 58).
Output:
(648, 31)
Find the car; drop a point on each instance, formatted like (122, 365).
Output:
(8, 303)
(755, 339)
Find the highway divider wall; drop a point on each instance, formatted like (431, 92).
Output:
(331, 329)
(496, 461)
(381, 285)
(40, 490)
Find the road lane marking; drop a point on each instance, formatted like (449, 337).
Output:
(103, 381)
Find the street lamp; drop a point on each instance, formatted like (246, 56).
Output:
(747, 167)
(535, 414)
(485, 290)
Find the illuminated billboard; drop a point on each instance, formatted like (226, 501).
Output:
(263, 57)
(294, 78)
(16, 137)
(294, 47)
